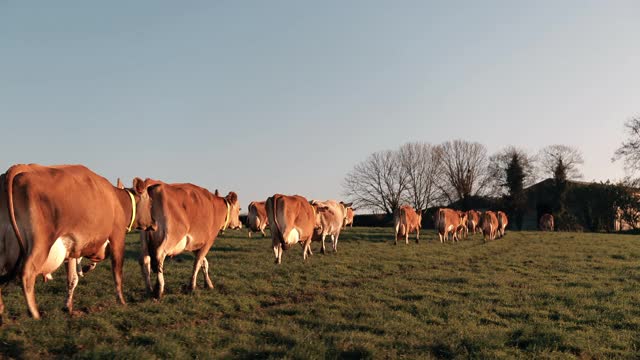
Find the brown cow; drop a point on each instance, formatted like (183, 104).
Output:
(546, 222)
(447, 222)
(348, 214)
(257, 217)
(330, 217)
(189, 218)
(462, 227)
(291, 219)
(503, 221)
(490, 224)
(407, 220)
(58, 213)
(473, 221)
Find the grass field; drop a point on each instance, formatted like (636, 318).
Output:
(560, 295)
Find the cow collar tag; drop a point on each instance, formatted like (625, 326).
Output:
(133, 210)
(228, 218)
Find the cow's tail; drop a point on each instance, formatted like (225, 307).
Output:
(271, 205)
(440, 226)
(8, 185)
(250, 211)
(11, 174)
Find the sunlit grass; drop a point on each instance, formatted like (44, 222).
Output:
(529, 294)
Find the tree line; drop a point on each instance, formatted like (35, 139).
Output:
(424, 175)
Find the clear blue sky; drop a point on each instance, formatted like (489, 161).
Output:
(286, 96)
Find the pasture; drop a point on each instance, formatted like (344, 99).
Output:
(531, 294)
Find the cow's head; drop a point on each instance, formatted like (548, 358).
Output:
(234, 210)
(143, 192)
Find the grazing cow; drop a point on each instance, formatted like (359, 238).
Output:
(257, 217)
(490, 225)
(189, 218)
(503, 221)
(58, 213)
(407, 220)
(330, 217)
(473, 221)
(546, 222)
(447, 222)
(292, 220)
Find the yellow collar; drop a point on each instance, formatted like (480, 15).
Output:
(133, 210)
(228, 218)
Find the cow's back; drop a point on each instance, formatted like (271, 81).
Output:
(183, 209)
(68, 200)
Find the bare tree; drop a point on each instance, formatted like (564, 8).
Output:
(498, 164)
(378, 183)
(464, 170)
(629, 151)
(553, 155)
(421, 165)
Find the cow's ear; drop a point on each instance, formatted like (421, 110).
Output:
(119, 184)
(138, 185)
(232, 197)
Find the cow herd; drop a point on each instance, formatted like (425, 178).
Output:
(451, 224)
(55, 215)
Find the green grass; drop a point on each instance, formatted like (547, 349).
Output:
(544, 295)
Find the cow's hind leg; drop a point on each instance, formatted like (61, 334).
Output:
(159, 289)
(205, 269)
(30, 271)
(72, 282)
(417, 235)
(335, 242)
(145, 267)
(200, 254)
